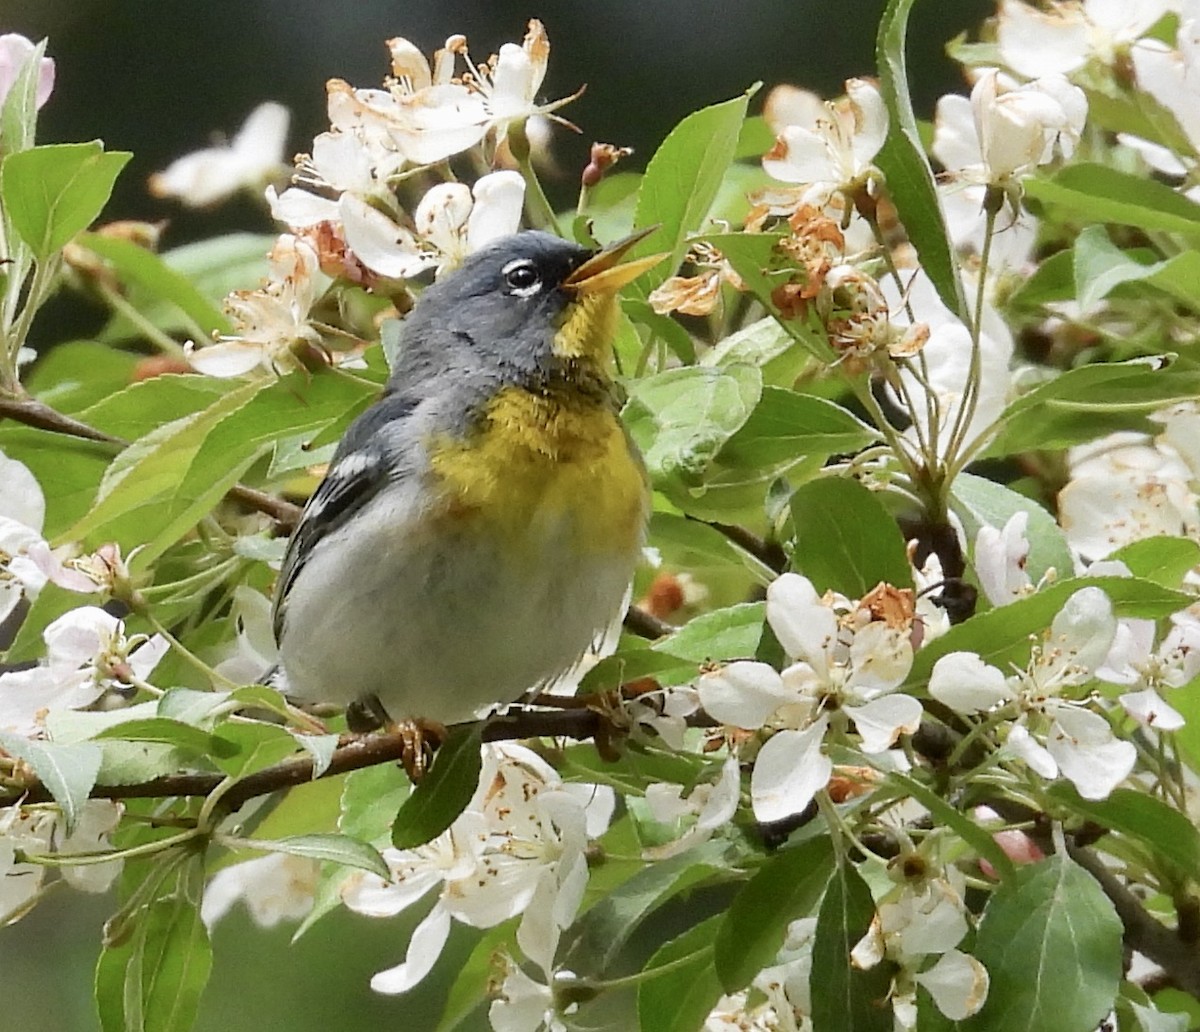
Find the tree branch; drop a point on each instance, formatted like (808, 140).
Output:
(353, 753)
(34, 413)
(1179, 960)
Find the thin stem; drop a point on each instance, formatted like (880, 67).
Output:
(649, 973)
(956, 454)
(90, 859)
(188, 654)
(537, 204)
(164, 342)
(44, 273)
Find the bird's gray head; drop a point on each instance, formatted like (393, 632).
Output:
(531, 309)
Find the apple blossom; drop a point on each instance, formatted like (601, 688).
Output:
(849, 659)
(269, 322)
(833, 153)
(1064, 36)
(275, 887)
(251, 158)
(15, 52)
(1133, 662)
(1000, 559)
(708, 807)
(520, 839)
(1052, 732)
(87, 654)
(1125, 487)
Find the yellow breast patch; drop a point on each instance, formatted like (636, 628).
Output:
(539, 458)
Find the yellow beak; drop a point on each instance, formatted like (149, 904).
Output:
(604, 272)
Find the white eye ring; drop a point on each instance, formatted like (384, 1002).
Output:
(522, 277)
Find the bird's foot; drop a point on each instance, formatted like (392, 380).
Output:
(421, 738)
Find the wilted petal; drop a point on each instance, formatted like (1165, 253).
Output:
(881, 721)
(1147, 707)
(742, 694)
(958, 984)
(409, 64)
(428, 940)
(1088, 755)
(789, 771)
(967, 684)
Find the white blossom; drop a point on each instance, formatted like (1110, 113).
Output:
(269, 322)
(1125, 487)
(1064, 36)
(275, 887)
(1001, 557)
(708, 807)
(832, 153)
(848, 656)
(1051, 731)
(516, 849)
(87, 654)
(254, 156)
(15, 52)
(1133, 662)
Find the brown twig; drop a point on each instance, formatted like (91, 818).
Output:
(1179, 960)
(37, 414)
(646, 625)
(353, 753)
(769, 553)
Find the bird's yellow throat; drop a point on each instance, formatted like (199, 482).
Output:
(557, 453)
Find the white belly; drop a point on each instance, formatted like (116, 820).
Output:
(442, 625)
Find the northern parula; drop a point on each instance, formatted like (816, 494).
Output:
(478, 527)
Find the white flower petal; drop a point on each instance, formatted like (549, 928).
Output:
(21, 498)
(743, 694)
(428, 940)
(499, 199)
(789, 771)
(881, 721)
(1025, 747)
(379, 243)
(1088, 755)
(1148, 708)
(967, 684)
(958, 984)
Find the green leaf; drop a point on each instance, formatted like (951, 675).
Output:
(591, 944)
(77, 373)
(682, 180)
(1101, 267)
(1051, 943)
(676, 337)
(67, 771)
(786, 887)
(1163, 831)
(766, 344)
(1098, 193)
(1052, 281)
(140, 267)
(1164, 560)
(849, 1000)
(244, 748)
(468, 994)
(910, 180)
(152, 982)
(169, 732)
(445, 790)
(846, 540)
(682, 418)
(786, 425)
(729, 633)
(681, 998)
(138, 408)
(67, 468)
(980, 502)
(334, 849)
(53, 192)
(1084, 403)
(1002, 636)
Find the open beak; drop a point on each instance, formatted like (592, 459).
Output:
(605, 272)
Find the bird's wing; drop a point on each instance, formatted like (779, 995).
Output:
(362, 466)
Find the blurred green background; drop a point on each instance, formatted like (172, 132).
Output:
(158, 78)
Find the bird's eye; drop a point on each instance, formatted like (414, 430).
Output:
(522, 277)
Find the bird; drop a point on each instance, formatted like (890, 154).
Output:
(478, 527)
